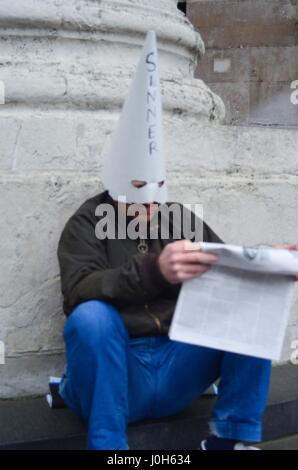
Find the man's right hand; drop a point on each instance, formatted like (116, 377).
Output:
(183, 260)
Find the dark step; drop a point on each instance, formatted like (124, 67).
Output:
(31, 424)
(286, 443)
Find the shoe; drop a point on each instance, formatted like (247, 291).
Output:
(215, 443)
(54, 398)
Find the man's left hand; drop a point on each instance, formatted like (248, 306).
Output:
(288, 247)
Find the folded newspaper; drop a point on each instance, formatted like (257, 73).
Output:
(241, 304)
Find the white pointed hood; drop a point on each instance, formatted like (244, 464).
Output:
(136, 151)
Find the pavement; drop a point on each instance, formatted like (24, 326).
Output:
(30, 423)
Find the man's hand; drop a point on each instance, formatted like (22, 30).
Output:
(183, 260)
(288, 247)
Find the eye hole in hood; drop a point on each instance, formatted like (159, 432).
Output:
(140, 184)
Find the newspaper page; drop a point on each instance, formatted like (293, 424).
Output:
(241, 304)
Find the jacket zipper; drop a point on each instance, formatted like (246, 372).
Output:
(143, 249)
(155, 319)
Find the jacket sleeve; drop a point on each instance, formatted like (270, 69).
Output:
(86, 273)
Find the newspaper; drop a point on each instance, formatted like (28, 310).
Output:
(241, 304)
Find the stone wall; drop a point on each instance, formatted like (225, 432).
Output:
(251, 57)
(67, 66)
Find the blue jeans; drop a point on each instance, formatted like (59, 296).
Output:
(111, 380)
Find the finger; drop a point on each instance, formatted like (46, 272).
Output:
(184, 276)
(185, 245)
(286, 247)
(193, 268)
(192, 246)
(194, 257)
(182, 245)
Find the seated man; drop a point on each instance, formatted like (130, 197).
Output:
(121, 365)
(120, 295)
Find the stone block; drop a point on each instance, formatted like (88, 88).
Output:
(236, 99)
(230, 23)
(270, 104)
(274, 64)
(237, 64)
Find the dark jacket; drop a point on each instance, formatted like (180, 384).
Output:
(114, 271)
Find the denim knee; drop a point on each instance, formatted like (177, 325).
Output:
(94, 319)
